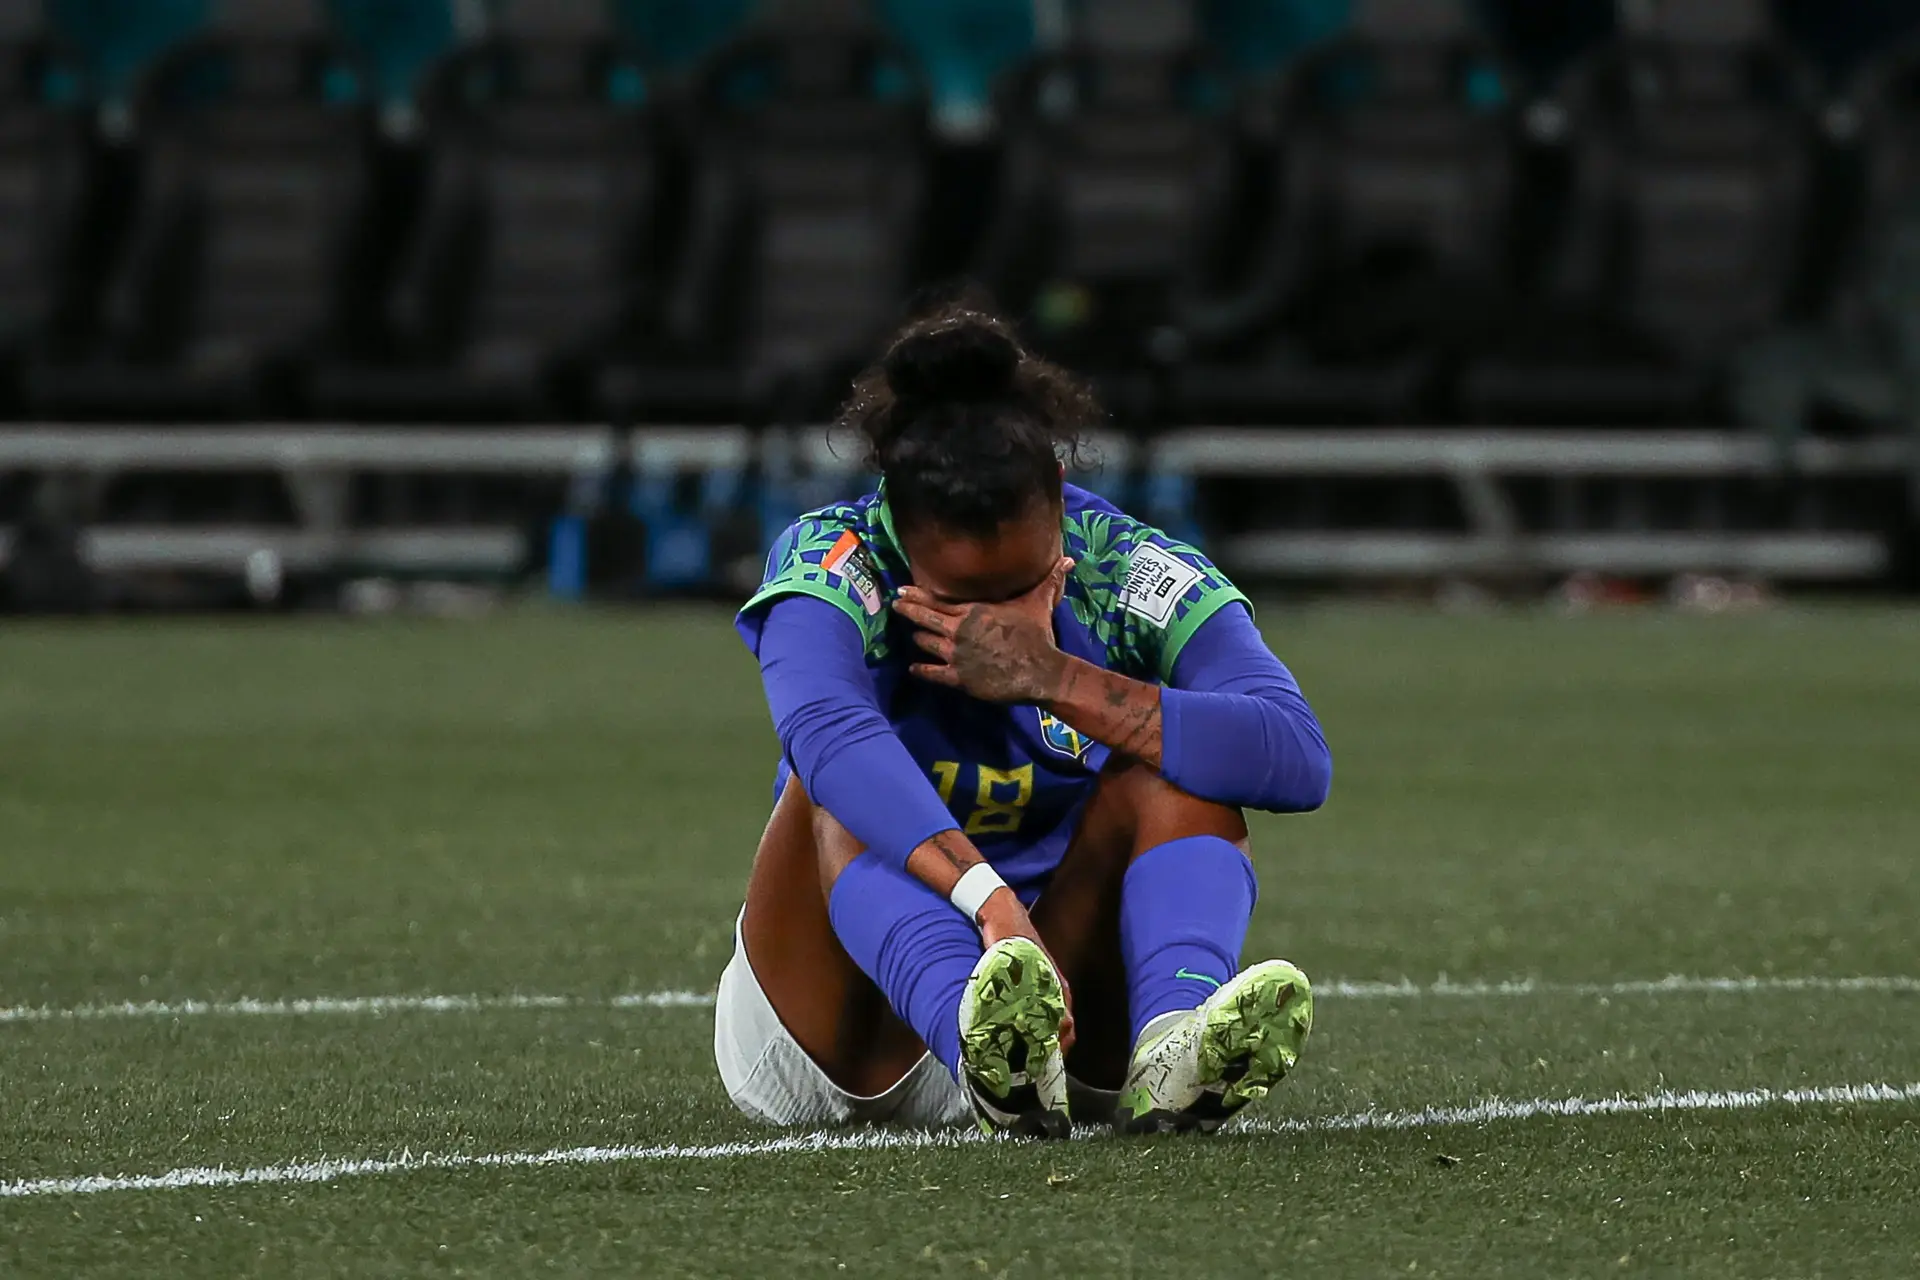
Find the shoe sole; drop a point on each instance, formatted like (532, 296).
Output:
(1254, 1034)
(1252, 1037)
(1011, 1021)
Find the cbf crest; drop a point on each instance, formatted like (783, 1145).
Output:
(1063, 738)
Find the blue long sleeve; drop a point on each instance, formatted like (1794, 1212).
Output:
(814, 670)
(1234, 725)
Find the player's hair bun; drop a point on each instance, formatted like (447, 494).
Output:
(964, 357)
(967, 429)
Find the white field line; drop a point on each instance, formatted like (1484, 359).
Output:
(322, 1005)
(1442, 988)
(1673, 984)
(1479, 1113)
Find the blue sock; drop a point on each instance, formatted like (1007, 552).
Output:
(917, 949)
(1184, 907)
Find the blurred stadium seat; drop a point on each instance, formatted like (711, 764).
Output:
(1263, 211)
(113, 43)
(1115, 188)
(963, 47)
(532, 254)
(1389, 246)
(1693, 138)
(395, 44)
(806, 204)
(251, 187)
(1257, 38)
(1855, 367)
(1541, 41)
(1845, 38)
(674, 35)
(39, 163)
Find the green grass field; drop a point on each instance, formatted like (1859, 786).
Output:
(550, 806)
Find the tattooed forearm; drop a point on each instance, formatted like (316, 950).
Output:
(1140, 731)
(953, 847)
(1109, 708)
(939, 861)
(1066, 682)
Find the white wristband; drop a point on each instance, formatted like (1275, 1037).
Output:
(978, 883)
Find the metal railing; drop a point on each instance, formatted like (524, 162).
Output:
(318, 464)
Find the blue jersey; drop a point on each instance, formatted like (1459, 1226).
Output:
(1014, 777)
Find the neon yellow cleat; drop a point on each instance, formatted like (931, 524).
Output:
(1010, 1060)
(1194, 1070)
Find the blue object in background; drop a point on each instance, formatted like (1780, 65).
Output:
(785, 497)
(1110, 481)
(114, 42)
(567, 557)
(791, 484)
(567, 537)
(1485, 89)
(963, 47)
(679, 539)
(1170, 505)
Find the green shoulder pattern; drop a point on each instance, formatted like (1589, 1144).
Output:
(1141, 593)
(829, 554)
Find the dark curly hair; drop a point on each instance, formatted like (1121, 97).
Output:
(966, 427)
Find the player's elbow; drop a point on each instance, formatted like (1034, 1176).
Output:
(1304, 773)
(1257, 751)
(1317, 782)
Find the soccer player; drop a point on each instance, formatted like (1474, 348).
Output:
(1006, 874)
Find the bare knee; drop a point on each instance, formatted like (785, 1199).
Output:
(1155, 811)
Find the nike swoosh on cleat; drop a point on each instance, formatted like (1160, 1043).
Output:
(1184, 972)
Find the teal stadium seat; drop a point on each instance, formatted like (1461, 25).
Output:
(963, 47)
(234, 247)
(398, 42)
(113, 42)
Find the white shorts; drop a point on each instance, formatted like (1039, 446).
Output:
(772, 1079)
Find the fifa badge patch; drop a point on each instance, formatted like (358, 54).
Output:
(849, 561)
(1063, 738)
(1156, 581)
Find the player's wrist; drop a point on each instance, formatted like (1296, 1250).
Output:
(976, 891)
(1002, 903)
(1057, 679)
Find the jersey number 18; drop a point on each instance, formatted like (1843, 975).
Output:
(1000, 796)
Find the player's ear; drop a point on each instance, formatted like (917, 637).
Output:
(1058, 582)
